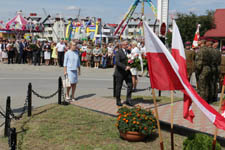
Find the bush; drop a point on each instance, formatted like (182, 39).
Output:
(136, 119)
(199, 142)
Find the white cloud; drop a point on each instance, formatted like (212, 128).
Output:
(72, 8)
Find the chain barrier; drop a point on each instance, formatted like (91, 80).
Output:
(3, 115)
(44, 97)
(23, 111)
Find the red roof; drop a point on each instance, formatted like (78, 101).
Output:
(219, 20)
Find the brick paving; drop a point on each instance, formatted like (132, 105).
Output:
(107, 105)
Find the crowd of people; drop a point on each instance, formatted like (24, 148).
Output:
(50, 53)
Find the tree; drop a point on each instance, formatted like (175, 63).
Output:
(187, 24)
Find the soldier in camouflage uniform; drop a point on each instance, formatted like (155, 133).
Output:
(216, 61)
(222, 67)
(190, 59)
(204, 72)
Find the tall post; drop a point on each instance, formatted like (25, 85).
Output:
(216, 129)
(7, 118)
(157, 119)
(12, 139)
(171, 121)
(60, 91)
(29, 112)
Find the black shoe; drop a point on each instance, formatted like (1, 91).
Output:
(129, 103)
(118, 103)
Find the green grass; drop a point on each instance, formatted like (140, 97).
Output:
(55, 127)
(148, 99)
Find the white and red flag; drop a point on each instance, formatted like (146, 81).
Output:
(179, 55)
(165, 74)
(196, 38)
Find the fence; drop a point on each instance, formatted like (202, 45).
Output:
(9, 115)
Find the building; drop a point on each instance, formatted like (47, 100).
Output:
(218, 32)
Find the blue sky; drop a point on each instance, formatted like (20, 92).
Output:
(111, 11)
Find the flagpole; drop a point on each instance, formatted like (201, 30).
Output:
(216, 129)
(171, 120)
(157, 118)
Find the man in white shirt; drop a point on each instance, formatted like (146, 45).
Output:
(60, 47)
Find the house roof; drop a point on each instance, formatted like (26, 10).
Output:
(219, 20)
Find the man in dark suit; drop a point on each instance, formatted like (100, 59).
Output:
(122, 72)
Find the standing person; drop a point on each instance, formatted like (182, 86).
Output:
(89, 55)
(4, 52)
(9, 48)
(47, 53)
(104, 56)
(190, 59)
(17, 48)
(83, 52)
(135, 52)
(222, 67)
(97, 55)
(21, 48)
(72, 68)
(216, 61)
(203, 66)
(29, 51)
(60, 49)
(122, 72)
(55, 55)
(0, 50)
(110, 55)
(37, 53)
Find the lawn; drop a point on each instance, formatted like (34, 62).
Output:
(72, 128)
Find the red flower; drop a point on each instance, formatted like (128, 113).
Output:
(130, 61)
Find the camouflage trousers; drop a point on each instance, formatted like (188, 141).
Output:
(205, 83)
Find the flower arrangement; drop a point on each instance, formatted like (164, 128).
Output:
(134, 63)
(136, 119)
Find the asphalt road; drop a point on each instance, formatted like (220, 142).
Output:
(14, 80)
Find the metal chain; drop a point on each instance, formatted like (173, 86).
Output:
(23, 111)
(2, 109)
(3, 115)
(44, 97)
(148, 88)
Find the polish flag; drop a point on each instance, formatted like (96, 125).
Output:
(165, 74)
(179, 55)
(196, 38)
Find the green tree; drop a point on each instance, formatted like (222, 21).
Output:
(187, 24)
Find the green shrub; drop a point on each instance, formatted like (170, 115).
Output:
(199, 142)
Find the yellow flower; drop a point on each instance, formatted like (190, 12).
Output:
(146, 118)
(138, 123)
(125, 116)
(134, 118)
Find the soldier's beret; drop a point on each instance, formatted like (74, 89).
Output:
(209, 40)
(188, 43)
(202, 38)
(223, 48)
(215, 41)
